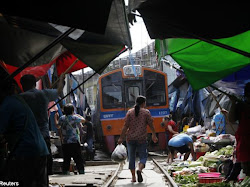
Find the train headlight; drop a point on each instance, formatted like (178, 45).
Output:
(109, 127)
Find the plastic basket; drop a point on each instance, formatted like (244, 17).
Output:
(210, 180)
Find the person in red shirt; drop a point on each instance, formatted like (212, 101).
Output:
(240, 110)
(135, 130)
(170, 128)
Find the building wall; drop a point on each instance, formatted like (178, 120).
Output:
(171, 73)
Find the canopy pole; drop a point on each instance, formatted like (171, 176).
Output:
(224, 46)
(43, 51)
(86, 79)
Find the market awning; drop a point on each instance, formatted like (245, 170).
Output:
(176, 19)
(63, 63)
(235, 83)
(208, 40)
(22, 39)
(204, 63)
(91, 16)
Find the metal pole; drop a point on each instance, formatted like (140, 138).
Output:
(224, 46)
(56, 41)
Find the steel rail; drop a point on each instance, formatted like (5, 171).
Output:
(113, 176)
(169, 178)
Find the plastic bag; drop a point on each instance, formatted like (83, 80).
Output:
(119, 154)
(194, 129)
(54, 149)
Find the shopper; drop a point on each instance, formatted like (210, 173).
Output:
(89, 137)
(38, 101)
(70, 125)
(135, 130)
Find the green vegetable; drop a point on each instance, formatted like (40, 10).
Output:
(245, 182)
(189, 185)
(200, 159)
(218, 184)
(228, 150)
(210, 162)
(186, 179)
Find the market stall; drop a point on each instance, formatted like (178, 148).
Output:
(214, 158)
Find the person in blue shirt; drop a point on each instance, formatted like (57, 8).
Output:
(38, 101)
(27, 162)
(181, 143)
(71, 126)
(219, 122)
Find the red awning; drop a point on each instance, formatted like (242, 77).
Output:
(62, 64)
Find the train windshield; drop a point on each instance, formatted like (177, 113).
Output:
(132, 90)
(155, 88)
(112, 96)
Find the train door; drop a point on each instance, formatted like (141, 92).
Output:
(133, 88)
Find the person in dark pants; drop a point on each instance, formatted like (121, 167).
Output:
(89, 137)
(38, 101)
(70, 125)
(240, 111)
(26, 163)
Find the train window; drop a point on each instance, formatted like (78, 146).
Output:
(133, 92)
(133, 88)
(155, 88)
(112, 96)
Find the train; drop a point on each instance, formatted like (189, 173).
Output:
(116, 94)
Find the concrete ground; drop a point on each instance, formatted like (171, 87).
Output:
(150, 177)
(94, 176)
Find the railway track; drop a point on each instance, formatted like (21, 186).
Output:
(122, 176)
(110, 174)
(167, 176)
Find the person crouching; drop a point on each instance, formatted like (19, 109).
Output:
(181, 143)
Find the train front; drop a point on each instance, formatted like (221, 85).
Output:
(118, 90)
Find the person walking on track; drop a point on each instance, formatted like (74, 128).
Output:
(135, 130)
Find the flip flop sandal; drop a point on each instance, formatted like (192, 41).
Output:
(139, 176)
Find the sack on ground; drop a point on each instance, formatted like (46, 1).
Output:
(119, 154)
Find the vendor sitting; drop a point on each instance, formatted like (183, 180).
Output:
(181, 143)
